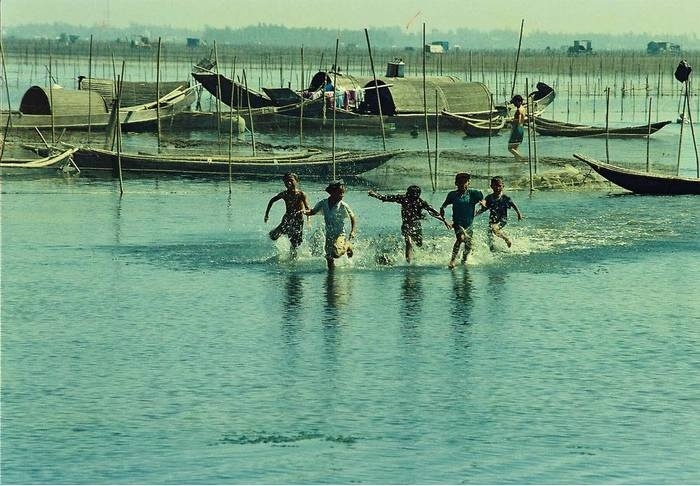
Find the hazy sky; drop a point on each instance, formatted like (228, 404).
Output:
(555, 16)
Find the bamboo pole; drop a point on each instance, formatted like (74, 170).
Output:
(648, 133)
(250, 112)
(425, 116)
(530, 115)
(335, 106)
(437, 137)
(301, 107)
(158, 93)
(90, 92)
(8, 123)
(230, 131)
(53, 120)
(692, 130)
(376, 89)
(607, 124)
(119, 129)
(517, 58)
(218, 95)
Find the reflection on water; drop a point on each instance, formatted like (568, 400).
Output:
(412, 296)
(293, 301)
(338, 293)
(462, 302)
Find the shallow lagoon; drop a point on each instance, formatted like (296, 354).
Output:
(160, 337)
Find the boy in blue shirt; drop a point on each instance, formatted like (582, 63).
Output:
(463, 201)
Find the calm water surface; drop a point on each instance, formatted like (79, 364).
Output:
(161, 337)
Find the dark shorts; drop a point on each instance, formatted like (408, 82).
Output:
(291, 226)
(413, 231)
(468, 232)
(516, 134)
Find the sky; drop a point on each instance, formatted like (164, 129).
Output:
(554, 16)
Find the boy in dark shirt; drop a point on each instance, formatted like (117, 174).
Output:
(412, 206)
(498, 203)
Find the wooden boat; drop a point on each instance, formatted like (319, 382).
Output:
(307, 163)
(479, 126)
(60, 108)
(132, 92)
(233, 94)
(643, 182)
(358, 101)
(563, 129)
(537, 101)
(49, 162)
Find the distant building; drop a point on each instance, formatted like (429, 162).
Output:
(663, 48)
(68, 38)
(142, 42)
(580, 47)
(195, 42)
(445, 45)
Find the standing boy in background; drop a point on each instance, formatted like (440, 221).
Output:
(517, 130)
(463, 201)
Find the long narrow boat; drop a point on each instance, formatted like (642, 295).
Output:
(563, 129)
(308, 163)
(479, 126)
(643, 182)
(78, 115)
(49, 162)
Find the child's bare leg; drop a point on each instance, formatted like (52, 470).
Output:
(409, 249)
(496, 230)
(455, 253)
(513, 149)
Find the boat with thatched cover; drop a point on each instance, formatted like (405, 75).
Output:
(360, 100)
(58, 108)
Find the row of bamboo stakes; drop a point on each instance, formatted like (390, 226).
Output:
(625, 90)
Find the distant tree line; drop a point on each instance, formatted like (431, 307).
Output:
(319, 37)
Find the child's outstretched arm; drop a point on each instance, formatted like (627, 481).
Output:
(433, 212)
(375, 194)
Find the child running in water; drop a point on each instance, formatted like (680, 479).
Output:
(463, 201)
(335, 213)
(498, 203)
(412, 206)
(292, 223)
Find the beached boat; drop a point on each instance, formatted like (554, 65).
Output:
(358, 101)
(308, 163)
(479, 126)
(59, 108)
(537, 101)
(643, 182)
(563, 129)
(132, 92)
(52, 161)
